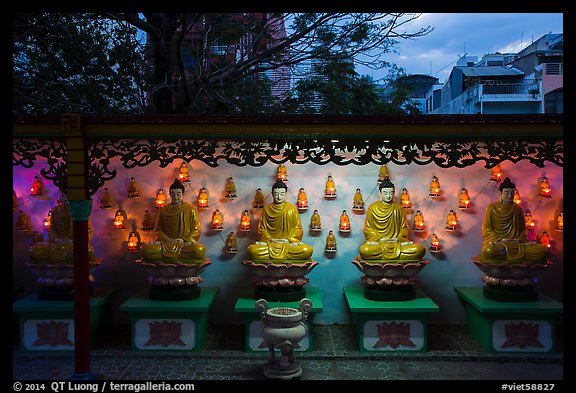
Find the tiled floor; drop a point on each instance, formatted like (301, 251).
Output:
(452, 355)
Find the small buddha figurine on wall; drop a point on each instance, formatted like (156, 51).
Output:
(258, 202)
(245, 221)
(464, 199)
(184, 175)
(330, 190)
(315, 221)
(344, 222)
(230, 188)
(451, 221)
(133, 191)
(358, 202)
(405, 199)
(106, 200)
(302, 201)
(282, 173)
(147, 221)
(160, 200)
(202, 198)
(419, 222)
(330, 242)
(231, 243)
(434, 187)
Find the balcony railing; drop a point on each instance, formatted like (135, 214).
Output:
(524, 87)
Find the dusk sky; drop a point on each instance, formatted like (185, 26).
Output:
(476, 34)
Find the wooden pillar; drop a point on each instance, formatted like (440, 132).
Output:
(80, 208)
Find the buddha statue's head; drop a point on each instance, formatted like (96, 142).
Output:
(279, 191)
(386, 191)
(177, 192)
(507, 189)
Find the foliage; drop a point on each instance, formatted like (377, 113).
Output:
(216, 63)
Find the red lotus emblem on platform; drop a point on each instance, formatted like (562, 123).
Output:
(52, 333)
(394, 335)
(165, 333)
(521, 335)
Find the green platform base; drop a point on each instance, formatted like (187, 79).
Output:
(48, 325)
(385, 293)
(169, 325)
(169, 293)
(253, 325)
(279, 294)
(390, 326)
(515, 294)
(506, 327)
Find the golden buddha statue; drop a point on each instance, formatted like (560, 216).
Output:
(177, 232)
(315, 221)
(106, 200)
(330, 241)
(282, 173)
(560, 221)
(386, 230)
(184, 174)
(230, 188)
(160, 200)
(59, 247)
(147, 221)
(496, 173)
(529, 221)
(545, 190)
(22, 221)
(344, 222)
(133, 191)
(258, 201)
(202, 198)
(245, 221)
(464, 199)
(231, 243)
(302, 199)
(330, 187)
(504, 232)
(451, 221)
(383, 173)
(405, 199)
(418, 221)
(434, 187)
(358, 202)
(280, 231)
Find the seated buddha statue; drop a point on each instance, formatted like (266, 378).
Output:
(177, 232)
(386, 230)
(358, 202)
(315, 220)
(59, 247)
(302, 199)
(133, 191)
(258, 201)
(504, 232)
(280, 231)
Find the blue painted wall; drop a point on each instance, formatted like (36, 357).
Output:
(445, 271)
